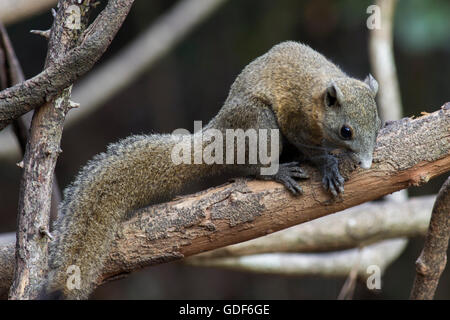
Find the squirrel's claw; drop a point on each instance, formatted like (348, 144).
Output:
(286, 174)
(333, 181)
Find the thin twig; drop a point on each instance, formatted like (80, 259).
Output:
(348, 289)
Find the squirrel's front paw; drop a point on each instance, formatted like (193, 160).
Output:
(332, 180)
(286, 174)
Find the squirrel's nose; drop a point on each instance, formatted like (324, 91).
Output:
(366, 163)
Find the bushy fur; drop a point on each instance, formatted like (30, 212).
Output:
(282, 89)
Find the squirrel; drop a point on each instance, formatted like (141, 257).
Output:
(292, 88)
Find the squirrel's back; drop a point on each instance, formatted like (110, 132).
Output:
(132, 173)
(286, 64)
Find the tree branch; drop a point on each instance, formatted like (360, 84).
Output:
(432, 260)
(7, 238)
(354, 227)
(409, 152)
(45, 86)
(43, 146)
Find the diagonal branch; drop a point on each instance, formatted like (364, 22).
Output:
(409, 152)
(138, 56)
(350, 228)
(381, 54)
(43, 87)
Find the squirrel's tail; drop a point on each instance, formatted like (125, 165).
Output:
(134, 172)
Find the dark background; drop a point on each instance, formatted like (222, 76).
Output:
(192, 81)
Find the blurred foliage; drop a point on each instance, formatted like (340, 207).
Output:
(423, 25)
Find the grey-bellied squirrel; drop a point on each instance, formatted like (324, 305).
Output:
(293, 88)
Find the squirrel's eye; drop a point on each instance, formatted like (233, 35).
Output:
(346, 132)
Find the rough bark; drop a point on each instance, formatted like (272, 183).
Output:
(351, 228)
(409, 152)
(43, 145)
(41, 154)
(432, 260)
(354, 227)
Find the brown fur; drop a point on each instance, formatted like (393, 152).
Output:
(282, 89)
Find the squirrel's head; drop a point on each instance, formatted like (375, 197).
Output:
(315, 103)
(351, 119)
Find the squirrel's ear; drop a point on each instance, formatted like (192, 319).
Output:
(333, 95)
(372, 83)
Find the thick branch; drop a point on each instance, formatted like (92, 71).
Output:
(45, 86)
(409, 152)
(432, 260)
(354, 227)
